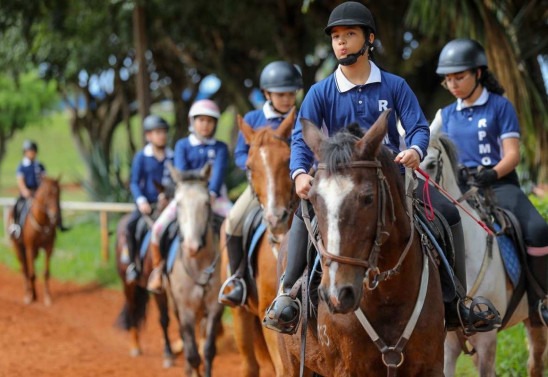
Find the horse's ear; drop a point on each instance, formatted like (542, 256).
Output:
(370, 144)
(284, 131)
(313, 137)
(176, 175)
(246, 129)
(435, 126)
(205, 173)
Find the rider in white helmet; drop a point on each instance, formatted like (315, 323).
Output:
(192, 153)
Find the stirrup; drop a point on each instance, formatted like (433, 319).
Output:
(223, 298)
(475, 319)
(272, 321)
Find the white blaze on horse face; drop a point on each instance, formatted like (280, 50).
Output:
(334, 191)
(192, 213)
(270, 181)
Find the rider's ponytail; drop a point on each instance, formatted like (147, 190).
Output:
(490, 82)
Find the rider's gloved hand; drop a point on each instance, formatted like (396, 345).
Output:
(486, 177)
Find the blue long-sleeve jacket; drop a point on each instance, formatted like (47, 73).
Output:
(192, 153)
(145, 170)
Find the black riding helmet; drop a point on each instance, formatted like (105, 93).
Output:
(350, 13)
(461, 55)
(281, 77)
(29, 145)
(154, 122)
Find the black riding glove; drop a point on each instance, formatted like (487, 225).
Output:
(486, 177)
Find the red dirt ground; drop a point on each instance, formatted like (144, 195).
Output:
(76, 337)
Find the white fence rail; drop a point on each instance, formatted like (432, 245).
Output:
(101, 207)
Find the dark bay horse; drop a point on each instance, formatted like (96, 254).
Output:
(194, 281)
(485, 272)
(39, 231)
(268, 162)
(380, 308)
(136, 295)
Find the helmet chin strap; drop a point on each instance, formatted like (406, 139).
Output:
(472, 91)
(353, 58)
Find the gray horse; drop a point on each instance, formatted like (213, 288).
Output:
(194, 281)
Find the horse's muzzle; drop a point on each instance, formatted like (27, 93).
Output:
(343, 300)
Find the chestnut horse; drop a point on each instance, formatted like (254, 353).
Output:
(194, 280)
(136, 295)
(39, 231)
(485, 272)
(380, 308)
(268, 162)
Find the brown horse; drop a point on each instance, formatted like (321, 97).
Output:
(135, 293)
(268, 160)
(380, 308)
(39, 231)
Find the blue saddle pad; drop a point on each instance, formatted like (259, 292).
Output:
(172, 253)
(257, 234)
(144, 244)
(509, 255)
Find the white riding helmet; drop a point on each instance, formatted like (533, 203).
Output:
(204, 107)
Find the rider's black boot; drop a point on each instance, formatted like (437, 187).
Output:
(284, 313)
(538, 296)
(480, 315)
(234, 291)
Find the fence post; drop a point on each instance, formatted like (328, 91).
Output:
(103, 220)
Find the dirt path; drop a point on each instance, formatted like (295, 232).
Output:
(76, 337)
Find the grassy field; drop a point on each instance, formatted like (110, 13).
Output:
(77, 255)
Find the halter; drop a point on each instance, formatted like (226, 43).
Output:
(373, 276)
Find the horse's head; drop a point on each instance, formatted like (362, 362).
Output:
(193, 206)
(352, 198)
(48, 197)
(268, 169)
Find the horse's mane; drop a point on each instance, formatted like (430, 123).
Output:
(452, 152)
(339, 149)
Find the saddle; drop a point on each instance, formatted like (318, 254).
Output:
(253, 230)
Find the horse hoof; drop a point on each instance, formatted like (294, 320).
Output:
(168, 362)
(135, 352)
(48, 301)
(28, 300)
(177, 346)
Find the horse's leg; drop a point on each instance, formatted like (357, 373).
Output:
(161, 302)
(485, 345)
(271, 342)
(47, 293)
(130, 293)
(30, 294)
(212, 328)
(538, 350)
(244, 334)
(452, 350)
(187, 323)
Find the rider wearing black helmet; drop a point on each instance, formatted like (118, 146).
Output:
(485, 128)
(280, 82)
(358, 92)
(149, 168)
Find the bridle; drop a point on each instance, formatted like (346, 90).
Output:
(373, 276)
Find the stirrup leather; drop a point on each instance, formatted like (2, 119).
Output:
(478, 320)
(227, 282)
(272, 320)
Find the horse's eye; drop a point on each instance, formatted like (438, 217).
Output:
(367, 199)
(431, 166)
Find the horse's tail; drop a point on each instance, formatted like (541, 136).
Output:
(128, 318)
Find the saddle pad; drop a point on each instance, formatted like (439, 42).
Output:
(257, 234)
(144, 245)
(172, 253)
(509, 255)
